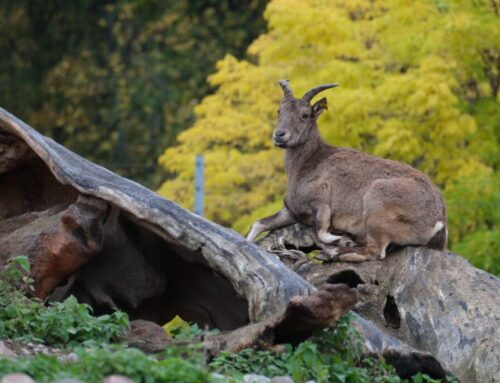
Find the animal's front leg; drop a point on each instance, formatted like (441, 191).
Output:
(275, 221)
(323, 221)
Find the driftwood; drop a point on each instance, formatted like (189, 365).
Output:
(433, 301)
(115, 244)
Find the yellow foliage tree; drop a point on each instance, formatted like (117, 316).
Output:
(406, 93)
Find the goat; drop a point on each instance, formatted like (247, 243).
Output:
(378, 201)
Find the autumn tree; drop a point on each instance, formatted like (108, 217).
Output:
(418, 84)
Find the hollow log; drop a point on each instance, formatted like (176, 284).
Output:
(433, 301)
(218, 257)
(149, 257)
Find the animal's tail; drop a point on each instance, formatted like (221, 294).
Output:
(439, 238)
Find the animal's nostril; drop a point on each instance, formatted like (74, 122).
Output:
(280, 133)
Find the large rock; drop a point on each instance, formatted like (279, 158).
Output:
(433, 301)
(147, 336)
(5, 351)
(17, 378)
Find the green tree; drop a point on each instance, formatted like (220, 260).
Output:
(117, 80)
(408, 76)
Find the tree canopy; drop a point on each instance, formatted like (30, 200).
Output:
(116, 80)
(419, 84)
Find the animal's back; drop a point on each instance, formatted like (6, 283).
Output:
(368, 167)
(360, 181)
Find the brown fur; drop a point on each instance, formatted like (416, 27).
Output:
(378, 201)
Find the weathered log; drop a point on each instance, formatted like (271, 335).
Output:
(204, 272)
(407, 360)
(434, 301)
(303, 315)
(221, 258)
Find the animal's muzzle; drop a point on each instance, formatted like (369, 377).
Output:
(279, 138)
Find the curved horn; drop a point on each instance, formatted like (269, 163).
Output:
(314, 91)
(286, 88)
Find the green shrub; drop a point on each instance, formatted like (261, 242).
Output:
(331, 356)
(94, 365)
(192, 331)
(60, 324)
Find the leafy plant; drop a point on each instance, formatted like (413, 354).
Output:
(332, 355)
(266, 363)
(60, 324)
(93, 365)
(179, 329)
(193, 331)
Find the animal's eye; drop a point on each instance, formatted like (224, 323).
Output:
(305, 116)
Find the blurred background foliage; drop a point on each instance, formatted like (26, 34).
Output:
(419, 83)
(123, 81)
(116, 80)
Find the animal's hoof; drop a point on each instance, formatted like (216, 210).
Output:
(285, 254)
(347, 242)
(328, 255)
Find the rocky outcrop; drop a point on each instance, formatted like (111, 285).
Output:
(433, 301)
(59, 240)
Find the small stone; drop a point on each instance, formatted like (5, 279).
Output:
(254, 378)
(281, 379)
(117, 379)
(17, 378)
(5, 351)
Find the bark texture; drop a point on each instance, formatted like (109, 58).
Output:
(302, 316)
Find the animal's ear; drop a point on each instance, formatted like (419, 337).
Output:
(319, 106)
